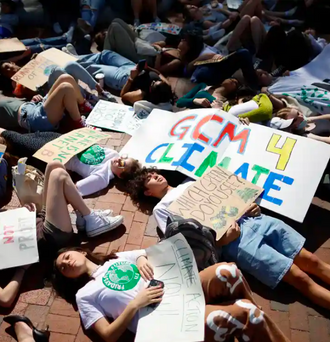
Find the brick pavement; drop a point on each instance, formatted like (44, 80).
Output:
(299, 319)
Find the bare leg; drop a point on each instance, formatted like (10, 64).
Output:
(23, 332)
(66, 78)
(152, 7)
(61, 99)
(137, 8)
(258, 32)
(59, 192)
(302, 282)
(252, 8)
(312, 264)
(242, 27)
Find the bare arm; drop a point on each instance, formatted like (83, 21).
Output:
(9, 293)
(319, 117)
(319, 138)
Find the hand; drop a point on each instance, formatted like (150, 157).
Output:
(286, 73)
(232, 233)
(145, 268)
(244, 121)
(264, 90)
(217, 104)
(149, 296)
(99, 89)
(202, 103)
(37, 98)
(30, 207)
(217, 57)
(310, 119)
(253, 211)
(134, 73)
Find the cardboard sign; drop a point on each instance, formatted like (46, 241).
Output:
(2, 150)
(217, 199)
(11, 45)
(68, 145)
(212, 61)
(18, 238)
(195, 140)
(114, 116)
(180, 315)
(36, 72)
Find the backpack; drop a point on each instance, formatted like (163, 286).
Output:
(200, 239)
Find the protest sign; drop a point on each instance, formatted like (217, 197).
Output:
(114, 116)
(11, 45)
(180, 315)
(217, 199)
(68, 145)
(36, 72)
(18, 238)
(286, 166)
(2, 150)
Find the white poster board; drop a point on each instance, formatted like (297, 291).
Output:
(288, 167)
(180, 315)
(18, 238)
(114, 116)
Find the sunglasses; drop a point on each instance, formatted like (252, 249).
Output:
(122, 161)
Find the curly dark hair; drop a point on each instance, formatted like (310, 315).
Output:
(136, 187)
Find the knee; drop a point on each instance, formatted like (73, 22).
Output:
(227, 272)
(59, 175)
(65, 87)
(298, 278)
(54, 165)
(245, 19)
(65, 78)
(312, 261)
(71, 66)
(255, 21)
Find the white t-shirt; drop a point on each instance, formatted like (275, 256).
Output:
(115, 284)
(94, 165)
(160, 211)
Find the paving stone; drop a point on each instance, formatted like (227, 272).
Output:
(299, 336)
(279, 306)
(149, 241)
(135, 236)
(37, 313)
(298, 317)
(282, 320)
(56, 337)
(119, 244)
(141, 217)
(81, 337)
(128, 219)
(63, 324)
(39, 297)
(112, 198)
(4, 337)
(319, 331)
(131, 247)
(116, 207)
(129, 206)
(151, 229)
(61, 307)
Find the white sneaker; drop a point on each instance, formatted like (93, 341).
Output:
(97, 224)
(81, 222)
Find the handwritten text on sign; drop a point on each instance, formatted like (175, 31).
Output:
(180, 315)
(18, 238)
(217, 199)
(195, 140)
(68, 145)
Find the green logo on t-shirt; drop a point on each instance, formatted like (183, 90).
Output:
(94, 155)
(121, 276)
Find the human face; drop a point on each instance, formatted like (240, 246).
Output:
(120, 164)
(155, 184)
(230, 85)
(265, 79)
(72, 264)
(195, 12)
(9, 69)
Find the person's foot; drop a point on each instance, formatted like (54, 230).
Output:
(71, 49)
(81, 223)
(97, 224)
(69, 34)
(23, 332)
(85, 107)
(57, 28)
(136, 23)
(291, 12)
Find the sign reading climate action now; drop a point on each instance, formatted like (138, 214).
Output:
(68, 145)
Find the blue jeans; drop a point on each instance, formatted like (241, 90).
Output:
(91, 13)
(116, 68)
(216, 73)
(76, 71)
(37, 45)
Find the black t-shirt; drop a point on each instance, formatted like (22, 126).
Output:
(144, 81)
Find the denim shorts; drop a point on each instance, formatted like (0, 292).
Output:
(34, 117)
(265, 249)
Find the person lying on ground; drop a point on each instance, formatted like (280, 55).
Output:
(45, 114)
(204, 96)
(83, 278)
(261, 245)
(149, 85)
(143, 6)
(90, 10)
(292, 120)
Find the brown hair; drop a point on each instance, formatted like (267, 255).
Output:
(67, 288)
(131, 170)
(283, 113)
